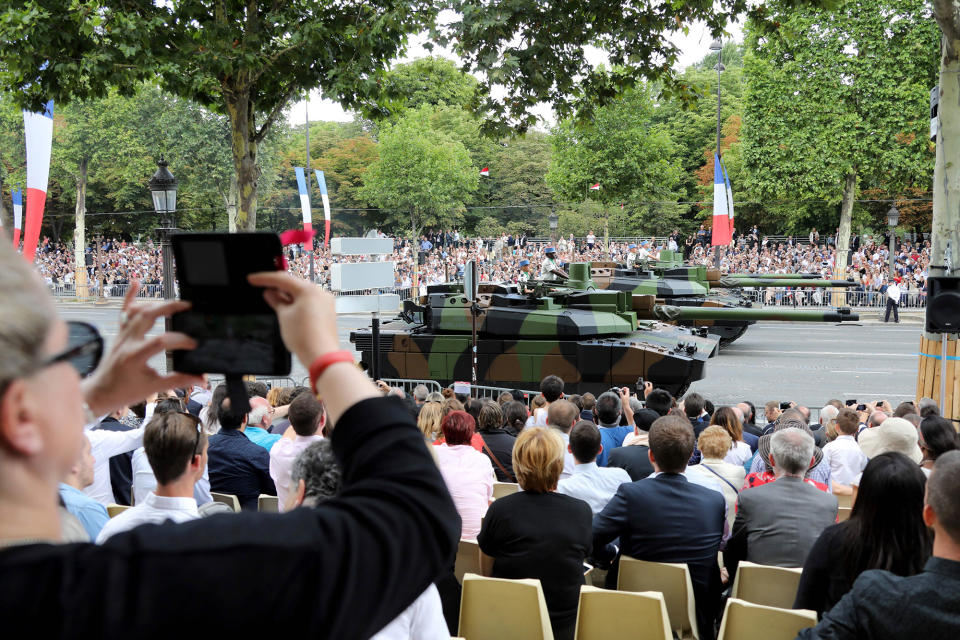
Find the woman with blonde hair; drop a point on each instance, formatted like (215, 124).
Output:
(739, 451)
(539, 533)
(431, 413)
(714, 444)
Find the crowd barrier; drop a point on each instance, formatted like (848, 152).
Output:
(855, 299)
(110, 291)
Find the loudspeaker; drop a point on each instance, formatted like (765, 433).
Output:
(88, 260)
(943, 304)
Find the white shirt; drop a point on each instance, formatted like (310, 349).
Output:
(846, 459)
(594, 485)
(739, 453)
(144, 481)
(546, 269)
(568, 462)
(893, 292)
(591, 239)
(103, 446)
(282, 456)
(153, 510)
(422, 620)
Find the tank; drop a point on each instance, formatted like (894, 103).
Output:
(696, 305)
(593, 344)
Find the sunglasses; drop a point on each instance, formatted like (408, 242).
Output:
(196, 422)
(84, 349)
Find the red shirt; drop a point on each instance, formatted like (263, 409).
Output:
(757, 479)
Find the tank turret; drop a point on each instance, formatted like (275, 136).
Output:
(593, 344)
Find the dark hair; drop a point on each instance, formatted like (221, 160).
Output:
(727, 418)
(303, 414)
(515, 415)
(168, 405)
(552, 388)
(886, 529)
(609, 406)
(659, 400)
(519, 396)
(752, 418)
(577, 401)
(473, 407)
(903, 409)
(847, 421)
(671, 442)
(257, 389)
(216, 399)
(458, 427)
(938, 436)
(585, 441)
(589, 401)
(693, 404)
(942, 493)
(227, 417)
(490, 416)
(317, 466)
(708, 407)
(170, 441)
(139, 409)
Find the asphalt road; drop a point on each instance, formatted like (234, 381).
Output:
(804, 362)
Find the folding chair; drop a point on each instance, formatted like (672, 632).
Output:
(116, 509)
(468, 559)
(501, 489)
(605, 614)
(228, 499)
(746, 621)
(268, 504)
(766, 585)
(498, 609)
(672, 580)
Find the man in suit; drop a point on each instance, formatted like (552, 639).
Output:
(665, 518)
(778, 522)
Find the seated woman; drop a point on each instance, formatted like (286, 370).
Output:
(740, 452)
(885, 531)
(467, 472)
(538, 533)
(714, 443)
(937, 436)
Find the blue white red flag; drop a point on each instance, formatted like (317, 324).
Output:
(322, 182)
(17, 217)
(38, 131)
(305, 205)
(722, 205)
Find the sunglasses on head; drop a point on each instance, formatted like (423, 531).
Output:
(84, 349)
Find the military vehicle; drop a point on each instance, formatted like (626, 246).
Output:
(593, 340)
(696, 286)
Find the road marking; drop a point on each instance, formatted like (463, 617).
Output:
(874, 392)
(860, 354)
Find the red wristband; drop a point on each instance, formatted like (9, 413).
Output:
(318, 366)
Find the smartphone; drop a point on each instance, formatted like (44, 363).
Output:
(237, 332)
(850, 403)
(861, 407)
(784, 406)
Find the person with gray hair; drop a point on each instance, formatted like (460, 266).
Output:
(317, 477)
(420, 394)
(925, 605)
(777, 523)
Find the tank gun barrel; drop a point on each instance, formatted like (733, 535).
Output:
(735, 282)
(669, 313)
(776, 276)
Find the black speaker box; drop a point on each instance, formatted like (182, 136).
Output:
(943, 304)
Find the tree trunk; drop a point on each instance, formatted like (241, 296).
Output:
(5, 221)
(231, 202)
(79, 233)
(240, 109)
(606, 231)
(843, 235)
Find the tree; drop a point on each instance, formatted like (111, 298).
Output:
(244, 60)
(838, 99)
(632, 159)
(423, 176)
(432, 80)
(345, 165)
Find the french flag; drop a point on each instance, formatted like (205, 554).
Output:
(38, 130)
(305, 205)
(722, 205)
(322, 181)
(17, 217)
(595, 186)
(485, 172)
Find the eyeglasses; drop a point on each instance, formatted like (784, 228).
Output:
(84, 349)
(196, 421)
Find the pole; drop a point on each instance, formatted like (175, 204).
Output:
(943, 374)
(375, 331)
(313, 273)
(893, 240)
(166, 253)
(99, 272)
(716, 249)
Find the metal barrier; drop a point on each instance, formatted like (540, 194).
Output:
(409, 385)
(805, 298)
(110, 291)
(271, 381)
(483, 391)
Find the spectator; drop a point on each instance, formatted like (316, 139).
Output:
(91, 514)
(316, 479)
(609, 409)
(750, 419)
(539, 533)
(133, 584)
(893, 434)
(307, 419)
(258, 424)
(885, 531)
(551, 390)
(515, 416)
(176, 448)
(665, 518)
(928, 407)
(772, 411)
(693, 408)
(431, 413)
(420, 395)
(237, 465)
(562, 415)
(741, 451)
(593, 484)
(844, 455)
(633, 457)
(121, 472)
(467, 473)
(104, 445)
(937, 437)
(714, 443)
(760, 470)
(498, 441)
(538, 402)
(778, 522)
(926, 605)
(589, 406)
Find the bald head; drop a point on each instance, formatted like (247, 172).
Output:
(562, 414)
(745, 412)
(877, 418)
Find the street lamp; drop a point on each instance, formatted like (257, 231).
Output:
(717, 46)
(554, 221)
(163, 188)
(893, 218)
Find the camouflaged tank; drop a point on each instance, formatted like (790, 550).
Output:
(594, 341)
(681, 285)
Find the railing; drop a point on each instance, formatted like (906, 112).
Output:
(859, 299)
(110, 291)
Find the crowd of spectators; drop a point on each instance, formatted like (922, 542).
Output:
(441, 257)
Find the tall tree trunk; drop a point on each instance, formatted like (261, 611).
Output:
(240, 109)
(843, 235)
(5, 220)
(79, 233)
(231, 202)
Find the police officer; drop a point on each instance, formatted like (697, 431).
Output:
(550, 268)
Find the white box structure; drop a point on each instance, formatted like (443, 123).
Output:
(384, 303)
(354, 276)
(361, 246)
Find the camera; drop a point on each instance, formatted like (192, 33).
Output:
(784, 406)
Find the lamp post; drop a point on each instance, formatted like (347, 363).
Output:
(554, 221)
(163, 188)
(893, 218)
(717, 46)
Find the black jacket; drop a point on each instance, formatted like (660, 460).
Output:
(500, 442)
(121, 465)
